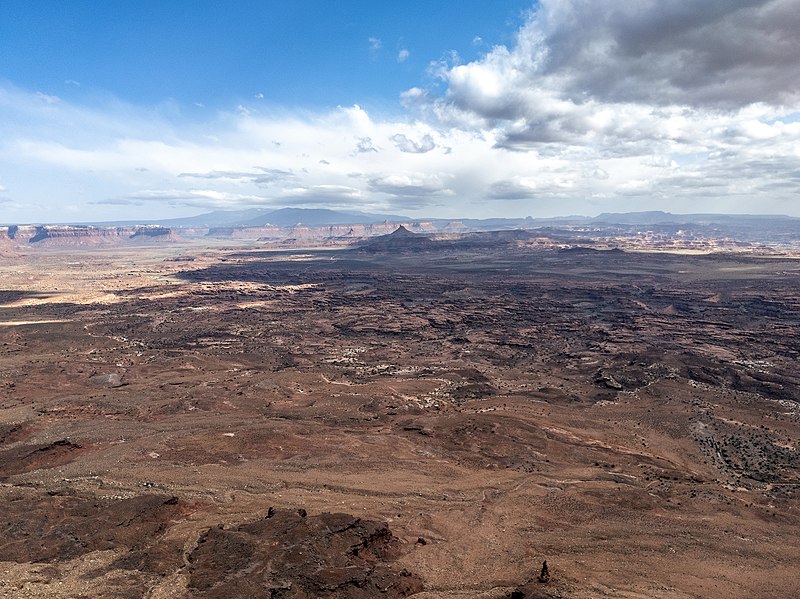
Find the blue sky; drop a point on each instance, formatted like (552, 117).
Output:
(304, 53)
(113, 110)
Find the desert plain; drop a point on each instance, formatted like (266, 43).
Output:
(399, 419)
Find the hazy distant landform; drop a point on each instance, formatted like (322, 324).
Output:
(335, 228)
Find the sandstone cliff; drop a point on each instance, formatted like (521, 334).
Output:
(14, 237)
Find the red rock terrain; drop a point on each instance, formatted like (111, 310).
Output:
(432, 419)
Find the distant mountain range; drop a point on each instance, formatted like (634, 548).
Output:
(316, 217)
(260, 217)
(657, 217)
(332, 226)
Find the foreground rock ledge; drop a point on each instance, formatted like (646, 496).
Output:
(288, 554)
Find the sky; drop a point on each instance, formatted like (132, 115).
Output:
(150, 109)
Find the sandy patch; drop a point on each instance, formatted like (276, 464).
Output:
(17, 323)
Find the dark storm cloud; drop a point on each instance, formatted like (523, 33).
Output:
(724, 53)
(573, 57)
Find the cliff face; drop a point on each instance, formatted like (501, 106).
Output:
(19, 233)
(27, 236)
(320, 233)
(252, 233)
(455, 226)
(7, 244)
(67, 235)
(77, 236)
(154, 233)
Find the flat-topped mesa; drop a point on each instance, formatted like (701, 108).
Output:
(88, 235)
(7, 242)
(455, 226)
(422, 227)
(19, 234)
(78, 235)
(151, 231)
(81, 235)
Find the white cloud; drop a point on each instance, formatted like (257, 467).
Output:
(604, 83)
(375, 44)
(199, 198)
(403, 55)
(721, 53)
(405, 144)
(47, 99)
(600, 67)
(414, 97)
(318, 195)
(365, 145)
(681, 161)
(261, 176)
(409, 184)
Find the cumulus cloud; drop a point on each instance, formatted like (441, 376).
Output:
(717, 53)
(317, 195)
(408, 184)
(527, 188)
(260, 176)
(414, 97)
(595, 71)
(403, 55)
(200, 198)
(365, 145)
(722, 53)
(405, 144)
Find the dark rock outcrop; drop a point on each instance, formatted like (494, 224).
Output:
(400, 240)
(38, 527)
(290, 554)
